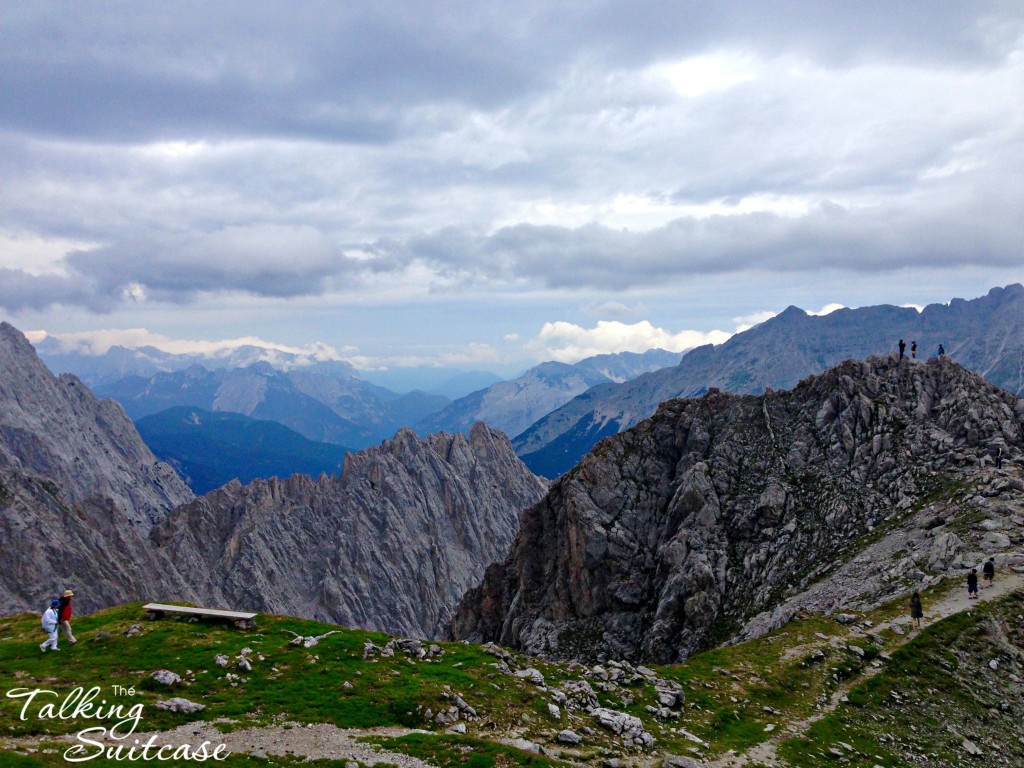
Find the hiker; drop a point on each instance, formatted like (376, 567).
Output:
(50, 626)
(916, 611)
(972, 584)
(64, 616)
(999, 456)
(903, 346)
(913, 349)
(988, 572)
(942, 350)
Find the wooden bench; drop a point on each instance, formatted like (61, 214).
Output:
(241, 619)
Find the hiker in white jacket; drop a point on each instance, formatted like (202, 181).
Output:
(50, 626)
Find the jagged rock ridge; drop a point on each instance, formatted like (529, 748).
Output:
(667, 536)
(392, 543)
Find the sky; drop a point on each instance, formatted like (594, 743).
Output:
(488, 185)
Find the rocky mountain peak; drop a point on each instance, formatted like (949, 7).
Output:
(391, 543)
(668, 536)
(56, 428)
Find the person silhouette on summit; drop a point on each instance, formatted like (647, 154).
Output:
(913, 349)
(903, 346)
(942, 350)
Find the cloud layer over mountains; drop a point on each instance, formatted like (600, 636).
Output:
(405, 154)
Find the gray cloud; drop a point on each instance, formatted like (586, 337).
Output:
(212, 148)
(876, 239)
(20, 291)
(349, 72)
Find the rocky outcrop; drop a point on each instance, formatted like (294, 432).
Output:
(983, 334)
(79, 490)
(667, 537)
(391, 544)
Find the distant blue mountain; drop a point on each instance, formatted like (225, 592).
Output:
(321, 406)
(208, 449)
(513, 406)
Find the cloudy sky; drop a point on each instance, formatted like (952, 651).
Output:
(490, 184)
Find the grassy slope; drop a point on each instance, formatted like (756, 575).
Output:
(733, 694)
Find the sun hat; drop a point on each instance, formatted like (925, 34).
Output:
(68, 593)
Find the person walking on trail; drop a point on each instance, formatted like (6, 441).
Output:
(64, 616)
(988, 572)
(972, 584)
(916, 610)
(50, 626)
(903, 346)
(913, 349)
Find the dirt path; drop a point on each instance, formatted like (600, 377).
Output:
(954, 601)
(316, 741)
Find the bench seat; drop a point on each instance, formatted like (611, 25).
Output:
(241, 618)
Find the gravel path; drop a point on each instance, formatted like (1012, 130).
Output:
(952, 602)
(314, 741)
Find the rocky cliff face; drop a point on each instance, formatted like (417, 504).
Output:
(984, 335)
(79, 490)
(391, 544)
(668, 537)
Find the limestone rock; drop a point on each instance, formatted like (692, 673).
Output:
(389, 545)
(178, 704)
(166, 677)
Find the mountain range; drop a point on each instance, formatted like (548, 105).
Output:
(209, 449)
(322, 405)
(512, 406)
(984, 334)
(85, 504)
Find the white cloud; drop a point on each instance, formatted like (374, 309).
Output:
(749, 321)
(699, 75)
(569, 343)
(468, 356)
(35, 254)
(97, 342)
(828, 309)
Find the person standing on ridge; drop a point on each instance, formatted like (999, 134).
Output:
(972, 584)
(916, 609)
(913, 349)
(942, 350)
(64, 616)
(988, 572)
(903, 346)
(50, 626)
